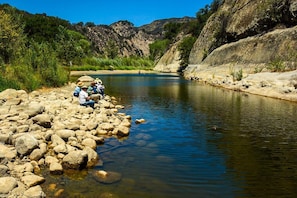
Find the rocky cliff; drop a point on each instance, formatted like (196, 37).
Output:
(127, 39)
(245, 34)
(123, 36)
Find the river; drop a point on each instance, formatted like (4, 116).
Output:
(197, 141)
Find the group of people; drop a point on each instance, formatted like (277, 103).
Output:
(88, 95)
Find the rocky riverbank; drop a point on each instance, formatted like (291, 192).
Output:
(280, 85)
(48, 129)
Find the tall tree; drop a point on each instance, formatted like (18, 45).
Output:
(11, 36)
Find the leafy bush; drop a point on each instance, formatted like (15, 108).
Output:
(158, 48)
(238, 75)
(276, 65)
(185, 48)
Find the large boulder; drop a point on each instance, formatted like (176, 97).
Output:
(25, 144)
(43, 120)
(35, 192)
(32, 180)
(85, 79)
(75, 160)
(7, 184)
(34, 109)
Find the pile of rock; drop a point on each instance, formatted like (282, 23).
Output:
(49, 129)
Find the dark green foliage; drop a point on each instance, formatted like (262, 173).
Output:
(171, 30)
(158, 48)
(27, 62)
(43, 28)
(42, 60)
(111, 49)
(185, 48)
(71, 46)
(90, 24)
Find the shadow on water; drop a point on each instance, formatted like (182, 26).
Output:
(197, 141)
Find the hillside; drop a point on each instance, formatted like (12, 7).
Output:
(243, 42)
(123, 36)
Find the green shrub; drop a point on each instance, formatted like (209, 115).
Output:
(185, 48)
(276, 65)
(238, 75)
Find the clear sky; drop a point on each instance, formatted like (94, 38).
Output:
(138, 12)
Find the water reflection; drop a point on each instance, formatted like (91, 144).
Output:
(197, 141)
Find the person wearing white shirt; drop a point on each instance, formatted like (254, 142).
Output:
(84, 98)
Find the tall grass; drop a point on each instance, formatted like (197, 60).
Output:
(126, 63)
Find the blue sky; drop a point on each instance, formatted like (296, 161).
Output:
(109, 11)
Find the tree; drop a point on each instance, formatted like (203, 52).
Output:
(185, 48)
(158, 48)
(11, 36)
(71, 46)
(111, 49)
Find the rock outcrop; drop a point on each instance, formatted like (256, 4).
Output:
(170, 61)
(247, 32)
(243, 46)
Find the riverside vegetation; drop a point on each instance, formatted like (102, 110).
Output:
(40, 51)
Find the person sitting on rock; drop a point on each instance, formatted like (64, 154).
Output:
(93, 92)
(100, 86)
(84, 99)
(77, 89)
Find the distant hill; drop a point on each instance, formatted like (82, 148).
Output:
(156, 27)
(129, 40)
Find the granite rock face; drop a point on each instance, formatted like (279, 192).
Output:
(237, 20)
(125, 38)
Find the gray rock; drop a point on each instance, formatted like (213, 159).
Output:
(61, 149)
(75, 160)
(23, 128)
(123, 131)
(37, 154)
(34, 192)
(13, 101)
(43, 120)
(56, 168)
(56, 140)
(7, 184)
(4, 138)
(65, 133)
(92, 156)
(7, 152)
(50, 159)
(25, 144)
(107, 177)
(34, 109)
(3, 170)
(90, 143)
(32, 180)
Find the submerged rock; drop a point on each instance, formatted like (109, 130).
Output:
(107, 177)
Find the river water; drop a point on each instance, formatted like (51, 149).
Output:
(197, 141)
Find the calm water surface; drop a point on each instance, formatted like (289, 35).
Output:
(197, 141)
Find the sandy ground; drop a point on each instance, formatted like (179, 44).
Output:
(268, 84)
